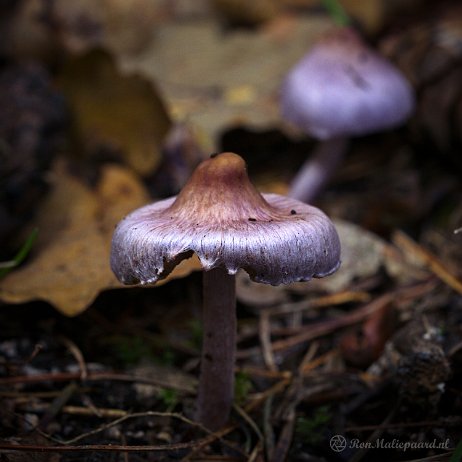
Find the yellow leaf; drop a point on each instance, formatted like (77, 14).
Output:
(70, 262)
(114, 112)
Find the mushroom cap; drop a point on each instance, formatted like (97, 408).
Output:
(227, 223)
(342, 87)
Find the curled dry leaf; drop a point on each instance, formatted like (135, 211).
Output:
(364, 346)
(70, 263)
(113, 112)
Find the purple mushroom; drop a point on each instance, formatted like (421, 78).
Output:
(341, 88)
(228, 224)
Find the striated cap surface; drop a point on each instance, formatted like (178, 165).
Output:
(226, 222)
(344, 88)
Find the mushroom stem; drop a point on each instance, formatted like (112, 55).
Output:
(318, 169)
(216, 384)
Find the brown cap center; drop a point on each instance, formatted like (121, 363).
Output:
(220, 189)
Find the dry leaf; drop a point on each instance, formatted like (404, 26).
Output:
(70, 264)
(362, 255)
(122, 26)
(122, 114)
(214, 79)
(364, 346)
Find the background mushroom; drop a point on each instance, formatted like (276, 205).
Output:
(341, 88)
(229, 225)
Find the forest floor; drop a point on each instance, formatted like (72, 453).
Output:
(363, 365)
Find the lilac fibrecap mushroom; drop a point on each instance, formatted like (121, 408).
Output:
(229, 225)
(341, 88)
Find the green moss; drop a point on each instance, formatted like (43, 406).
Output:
(311, 429)
(242, 387)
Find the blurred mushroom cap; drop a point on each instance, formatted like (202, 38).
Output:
(227, 223)
(342, 87)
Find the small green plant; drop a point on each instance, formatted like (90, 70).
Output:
(242, 387)
(166, 358)
(169, 398)
(195, 327)
(128, 349)
(337, 12)
(7, 266)
(310, 429)
(457, 454)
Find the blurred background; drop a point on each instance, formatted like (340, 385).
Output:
(109, 105)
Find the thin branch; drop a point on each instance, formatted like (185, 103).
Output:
(93, 376)
(8, 447)
(264, 332)
(133, 416)
(436, 266)
(68, 446)
(77, 354)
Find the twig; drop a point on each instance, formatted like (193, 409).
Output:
(361, 453)
(435, 265)
(258, 449)
(75, 351)
(258, 372)
(102, 413)
(90, 406)
(65, 445)
(9, 447)
(258, 398)
(24, 397)
(285, 439)
(265, 341)
(262, 396)
(454, 349)
(123, 439)
(267, 427)
(38, 347)
(206, 441)
(339, 298)
(456, 422)
(92, 376)
(309, 366)
(249, 420)
(123, 418)
(55, 407)
(289, 407)
(318, 329)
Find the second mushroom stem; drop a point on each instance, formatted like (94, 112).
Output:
(216, 383)
(318, 169)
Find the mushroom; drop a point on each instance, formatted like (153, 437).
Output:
(341, 88)
(228, 224)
